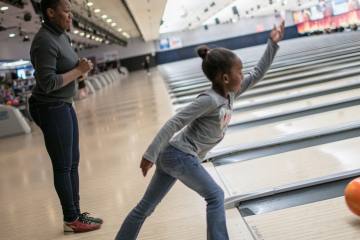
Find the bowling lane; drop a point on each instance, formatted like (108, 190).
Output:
(247, 104)
(290, 65)
(176, 71)
(201, 84)
(330, 220)
(237, 228)
(277, 69)
(273, 171)
(287, 82)
(307, 74)
(188, 90)
(267, 132)
(292, 106)
(300, 90)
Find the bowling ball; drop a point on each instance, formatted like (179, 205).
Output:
(352, 196)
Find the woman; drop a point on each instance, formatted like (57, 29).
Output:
(56, 69)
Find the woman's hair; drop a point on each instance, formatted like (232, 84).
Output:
(215, 61)
(45, 4)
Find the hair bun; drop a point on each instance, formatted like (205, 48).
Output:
(203, 51)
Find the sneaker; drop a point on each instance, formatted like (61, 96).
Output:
(87, 217)
(80, 226)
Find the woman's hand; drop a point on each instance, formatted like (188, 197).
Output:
(145, 165)
(81, 69)
(83, 77)
(85, 66)
(278, 32)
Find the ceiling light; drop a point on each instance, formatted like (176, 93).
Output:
(90, 4)
(82, 34)
(120, 30)
(76, 31)
(97, 10)
(113, 24)
(125, 34)
(11, 35)
(104, 16)
(4, 8)
(109, 20)
(88, 35)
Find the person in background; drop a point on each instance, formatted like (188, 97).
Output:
(147, 65)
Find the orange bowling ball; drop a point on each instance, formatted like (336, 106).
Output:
(352, 196)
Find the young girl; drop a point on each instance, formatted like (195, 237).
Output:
(206, 120)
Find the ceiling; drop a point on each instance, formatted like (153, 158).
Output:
(136, 18)
(249, 8)
(12, 20)
(147, 15)
(121, 17)
(142, 18)
(190, 14)
(114, 10)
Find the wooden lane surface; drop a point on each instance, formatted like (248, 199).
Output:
(324, 220)
(292, 167)
(284, 128)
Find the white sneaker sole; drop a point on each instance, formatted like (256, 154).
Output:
(68, 229)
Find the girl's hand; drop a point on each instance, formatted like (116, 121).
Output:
(278, 32)
(145, 165)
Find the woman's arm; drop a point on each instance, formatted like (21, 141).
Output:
(83, 68)
(44, 58)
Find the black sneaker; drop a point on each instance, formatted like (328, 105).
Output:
(87, 217)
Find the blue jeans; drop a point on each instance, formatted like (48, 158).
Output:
(174, 164)
(59, 125)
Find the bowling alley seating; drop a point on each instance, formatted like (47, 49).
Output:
(12, 122)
